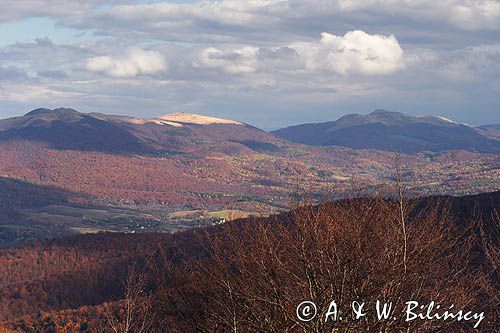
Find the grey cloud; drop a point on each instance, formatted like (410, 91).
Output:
(257, 75)
(461, 14)
(12, 74)
(42, 53)
(13, 10)
(52, 74)
(277, 21)
(279, 53)
(472, 64)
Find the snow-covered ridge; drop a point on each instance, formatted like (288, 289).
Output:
(448, 120)
(178, 119)
(190, 118)
(445, 119)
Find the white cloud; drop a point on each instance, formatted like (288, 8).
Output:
(354, 53)
(133, 63)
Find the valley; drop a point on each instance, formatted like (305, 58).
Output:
(189, 163)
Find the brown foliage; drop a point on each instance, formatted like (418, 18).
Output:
(251, 276)
(69, 273)
(203, 177)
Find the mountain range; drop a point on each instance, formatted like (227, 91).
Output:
(63, 171)
(66, 128)
(85, 199)
(394, 131)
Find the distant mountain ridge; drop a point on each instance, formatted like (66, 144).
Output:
(69, 129)
(66, 128)
(495, 126)
(392, 131)
(490, 130)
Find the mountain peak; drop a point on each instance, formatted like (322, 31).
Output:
(45, 111)
(38, 112)
(393, 131)
(190, 118)
(384, 112)
(381, 114)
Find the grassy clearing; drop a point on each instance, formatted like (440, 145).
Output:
(84, 230)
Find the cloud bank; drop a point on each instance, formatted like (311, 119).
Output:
(266, 62)
(355, 53)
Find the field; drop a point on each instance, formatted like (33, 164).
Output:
(61, 220)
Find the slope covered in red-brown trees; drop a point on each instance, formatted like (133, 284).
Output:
(451, 248)
(207, 179)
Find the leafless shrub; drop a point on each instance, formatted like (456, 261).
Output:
(250, 277)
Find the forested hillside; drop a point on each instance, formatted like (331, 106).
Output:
(451, 247)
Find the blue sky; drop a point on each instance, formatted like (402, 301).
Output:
(270, 63)
(29, 29)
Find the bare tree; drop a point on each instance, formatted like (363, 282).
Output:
(250, 276)
(132, 314)
(402, 208)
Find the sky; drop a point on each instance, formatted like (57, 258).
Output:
(269, 63)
